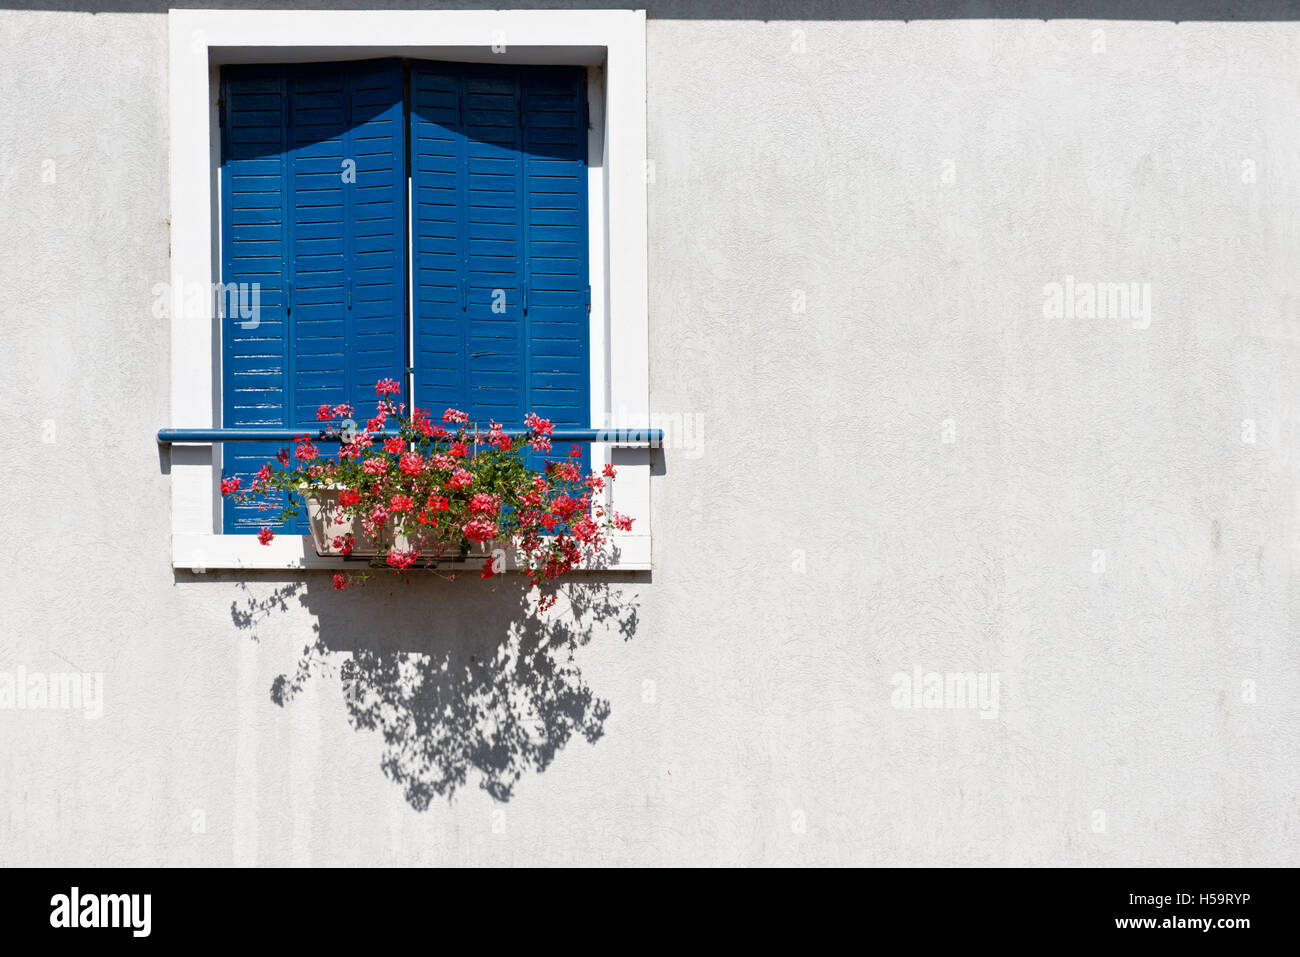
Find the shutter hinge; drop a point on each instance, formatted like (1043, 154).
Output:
(586, 114)
(221, 112)
(589, 300)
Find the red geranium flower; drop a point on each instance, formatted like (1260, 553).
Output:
(480, 529)
(402, 559)
(411, 464)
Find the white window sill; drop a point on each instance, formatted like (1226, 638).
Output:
(199, 553)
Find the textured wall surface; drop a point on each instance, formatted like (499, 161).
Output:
(899, 465)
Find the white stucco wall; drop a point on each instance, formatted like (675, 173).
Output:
(917, 185)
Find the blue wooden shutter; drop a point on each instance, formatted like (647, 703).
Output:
(556, 249)
(377, 240)
(313, 183)
(439, 235)
(499, 180)
(493, 260)
(318, 241)
(348, 189)
(254, 249)
(467, 181)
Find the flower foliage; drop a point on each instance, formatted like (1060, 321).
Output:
(422, 487)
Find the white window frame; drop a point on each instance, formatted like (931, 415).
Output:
(611, 42)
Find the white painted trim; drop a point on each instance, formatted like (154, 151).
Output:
(205, 552)
(198, 39)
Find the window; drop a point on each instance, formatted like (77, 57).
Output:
(529, 361)
(314, 216)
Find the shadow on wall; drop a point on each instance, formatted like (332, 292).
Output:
(461, 680)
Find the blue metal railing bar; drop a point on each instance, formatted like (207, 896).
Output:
(653, 438)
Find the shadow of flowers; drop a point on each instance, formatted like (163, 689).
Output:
(461, 679)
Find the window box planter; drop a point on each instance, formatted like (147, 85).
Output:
(322, 513)
(328, 534)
